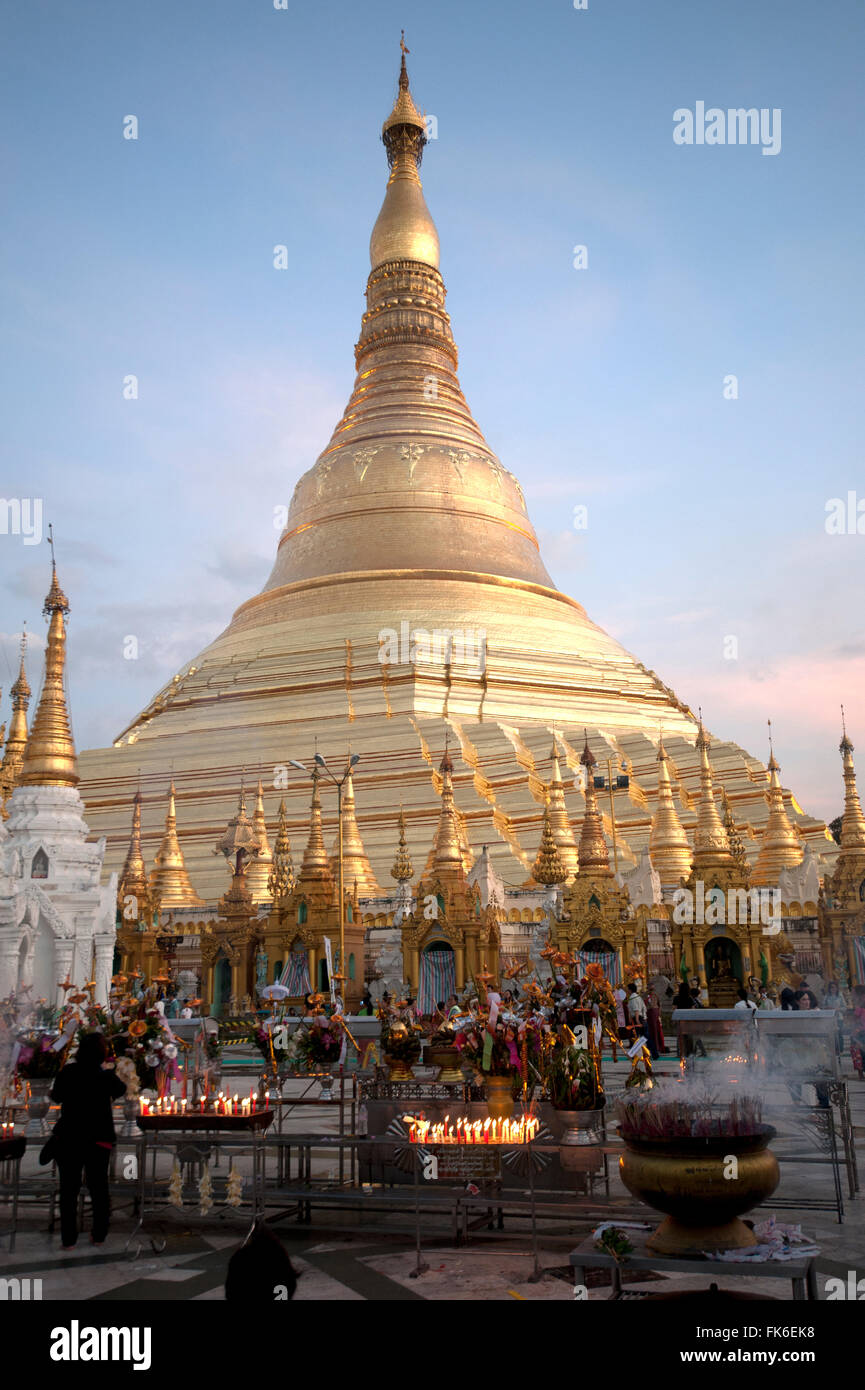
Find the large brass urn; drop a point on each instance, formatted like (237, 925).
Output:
(704, 1185)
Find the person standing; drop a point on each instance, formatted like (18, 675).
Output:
(857, 1032)
(636, 1011)
(743, 1002)
(764, 1001)
(654, 1031)
(834, 1000)
(84, 1135)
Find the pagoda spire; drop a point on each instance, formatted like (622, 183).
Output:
(548, 867)
(852, 821)
(780, 847)
(356, 867)
(711, 846)
(404, 230)
(169, 881)
(448, 847)
(669, 849)
(315, 867)
(402, 866)
(16, 743)
(848, 876)
(133, 883)
(281, 880)
(258, 874)
(49, 758)
(594, 857)
(560, 822)
(239, 843)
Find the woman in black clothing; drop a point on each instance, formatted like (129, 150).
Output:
(84, 1135)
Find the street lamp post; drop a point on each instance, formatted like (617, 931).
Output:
(339, 783)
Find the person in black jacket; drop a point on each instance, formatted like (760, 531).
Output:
(85, 1135)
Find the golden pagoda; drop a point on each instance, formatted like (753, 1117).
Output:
(49, 757)
(780, 846)
(258, 873)
(847, 883)
(356, 868)
(169, 881)
(408, 511)
(16, 743)
(669, 848)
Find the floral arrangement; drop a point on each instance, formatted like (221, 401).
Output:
(573, 1080)
(38, 1059)
(263, 1038)
(318, 1045)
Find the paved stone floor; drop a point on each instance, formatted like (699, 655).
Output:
(359, 1256)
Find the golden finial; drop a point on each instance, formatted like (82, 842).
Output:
(548, 867)
(315, 865)
(594, 857)
(447, 851)
(559, 819)
(49, 758)
(281, 879)
(16, 743)
(258, 874)
(402, 866)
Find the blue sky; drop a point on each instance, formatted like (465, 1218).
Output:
(601, 387)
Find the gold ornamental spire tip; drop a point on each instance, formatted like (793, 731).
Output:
(49, 758)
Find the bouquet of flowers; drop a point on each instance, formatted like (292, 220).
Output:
(573, 1081)
(264, 1038)
(38, 1060)
(318, 1045)
(141, 1035)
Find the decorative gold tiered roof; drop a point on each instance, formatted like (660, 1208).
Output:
(594, 856)
(281, 879)
(402, 869)
(356, 867)
(548, 867)
(711, 846)
(780, 847)
(133, 882)
(49, 758)
(169, 881)
(239, 841)
(16, 743)
(258, 873)
(669, 849)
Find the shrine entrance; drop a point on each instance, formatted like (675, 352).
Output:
(723, 971)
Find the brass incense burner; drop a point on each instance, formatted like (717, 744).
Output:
(704, 1184)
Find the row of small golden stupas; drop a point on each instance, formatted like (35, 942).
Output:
(47, 757)
(716, 852)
